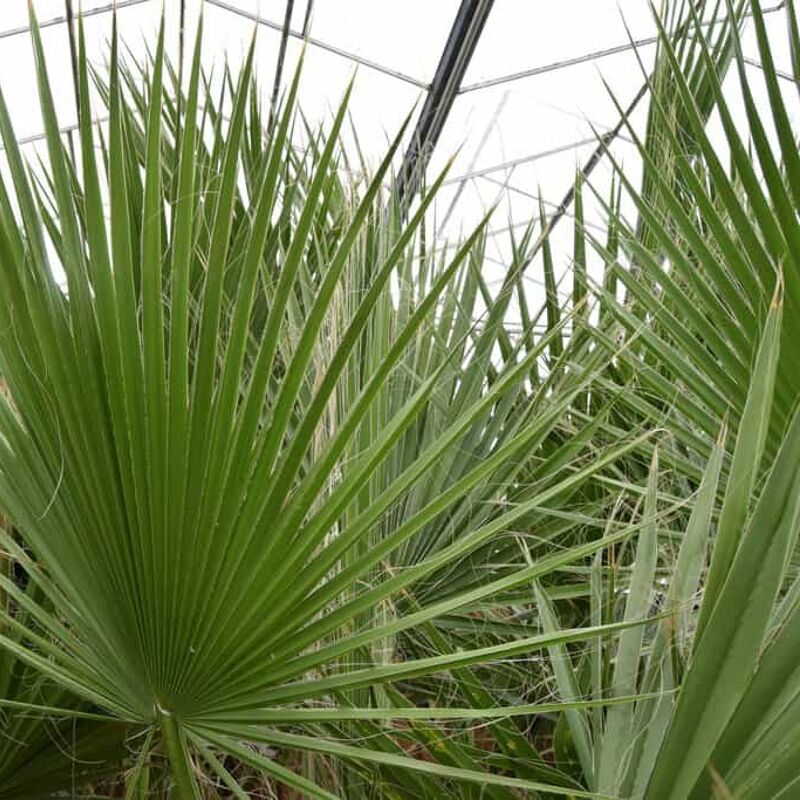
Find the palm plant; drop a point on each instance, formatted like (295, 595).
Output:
(718, 240)
(705, 271)
(284, 511)
(710, 694)
(697, 305)
(193, 420)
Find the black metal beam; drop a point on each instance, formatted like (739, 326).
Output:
(307, 18)
(461, 42)
(276, 87)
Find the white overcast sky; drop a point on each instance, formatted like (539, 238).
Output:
(488, 127)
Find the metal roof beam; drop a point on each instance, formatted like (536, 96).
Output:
(276, 85)
(458, 50)
(596, 55)
(319, 43)
(89, 12)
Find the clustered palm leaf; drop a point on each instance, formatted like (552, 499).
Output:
(289, 501)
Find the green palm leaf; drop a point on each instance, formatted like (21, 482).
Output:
(229, 442)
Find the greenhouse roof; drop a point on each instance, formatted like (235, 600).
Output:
(517, 94)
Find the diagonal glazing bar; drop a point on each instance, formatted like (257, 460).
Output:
(596, 55)
(782, 74)
(277, 26)
(563, 148)
(86, 13)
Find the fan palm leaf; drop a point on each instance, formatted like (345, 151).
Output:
(196, 413)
